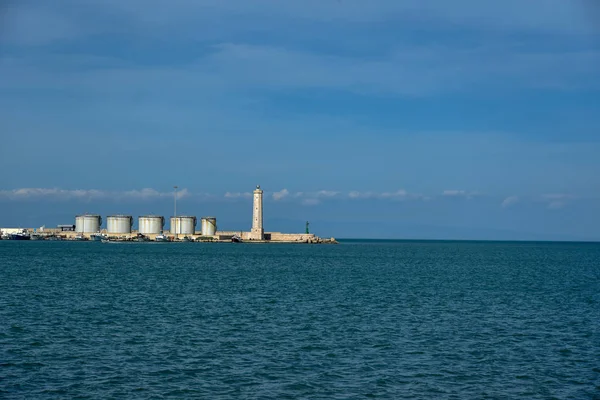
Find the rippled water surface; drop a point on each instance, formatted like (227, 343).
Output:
(357, 320)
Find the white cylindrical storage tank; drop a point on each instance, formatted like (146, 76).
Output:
(87, 223)
(184, 225)
(209, 226)
(119, 224)
(151, 224)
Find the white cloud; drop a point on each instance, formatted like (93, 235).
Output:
(326, 193)
(400, 194)
(453, 193)
(509, 201)
(148, 193)
(89, 194)
(318, 195)
(281, 194)
(361, 195)
(56, 193)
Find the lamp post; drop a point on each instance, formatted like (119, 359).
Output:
(175, 210)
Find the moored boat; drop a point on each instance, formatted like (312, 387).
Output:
(141, 238)
(161, 238)
(112, 240)
(23, 235)
(97, 237)
(236, 239)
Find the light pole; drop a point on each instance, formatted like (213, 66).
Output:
(175, 211)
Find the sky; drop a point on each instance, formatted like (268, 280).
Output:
(438, 119)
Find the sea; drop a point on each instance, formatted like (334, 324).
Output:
(359, 320)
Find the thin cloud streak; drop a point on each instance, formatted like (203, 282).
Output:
(315, 198)
(460, 193)
(400, 194)
(552, 201)
(510, 201)
(88, 194)
(152, 193)
(556, 201)
(320, 194)
(38, 23)
(406, 70)
(281, 194)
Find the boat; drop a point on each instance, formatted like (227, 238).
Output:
(37, 236)
(97, 237)
(80, 238)
(141, 238)
(113, 240)
(187, 239)
(23, 235)
(236, 239)
(161, 238)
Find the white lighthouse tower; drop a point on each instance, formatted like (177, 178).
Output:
(257, 232)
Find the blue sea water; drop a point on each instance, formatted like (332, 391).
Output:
(363, 319)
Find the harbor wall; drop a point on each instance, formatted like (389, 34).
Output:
(219, 235)
(289, 237)
(229, 233)
(269, 236)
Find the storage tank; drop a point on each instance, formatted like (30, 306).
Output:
(151, 224)
(119, 224)
(87, 223)
(183, 225)
(208, 225)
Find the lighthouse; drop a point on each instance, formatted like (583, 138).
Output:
(257, 232)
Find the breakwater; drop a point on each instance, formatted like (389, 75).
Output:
(57, 234)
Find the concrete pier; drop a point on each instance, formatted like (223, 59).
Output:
(218, 237)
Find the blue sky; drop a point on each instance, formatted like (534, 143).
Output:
(404, 119)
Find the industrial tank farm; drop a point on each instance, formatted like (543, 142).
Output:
(208, 226)
(119, 228)
(151, 224)
(88, 223)
(119, 224)
(183, 225)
